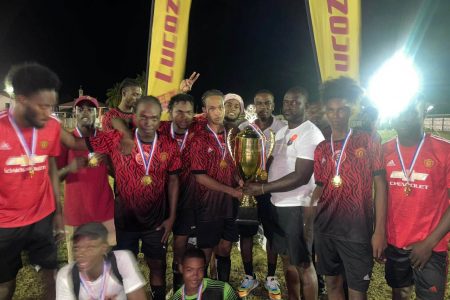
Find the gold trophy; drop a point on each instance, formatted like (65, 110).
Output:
(250, 150)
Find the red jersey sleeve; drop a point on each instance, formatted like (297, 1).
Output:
(198, 153)
(106, 121)
(56, 148)
(448, 172)
(61, 161)
(318, 174)
(377, 156)
(104, 142)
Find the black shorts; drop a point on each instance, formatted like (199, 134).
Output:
(429, 282)
(151, 243)
(209, 233)
(265, 217)
(36, 238)
(185, 223)
(289, 239)
(336, 257)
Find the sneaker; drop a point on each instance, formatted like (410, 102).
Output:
(248, 284)
(273, 287)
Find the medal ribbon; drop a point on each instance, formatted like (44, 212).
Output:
(103, 290)
(199, 292)
(147, 162)
(416, 154)
(172, 133)
(263, 140)
(223, 149)
(347, 138)
(29, 153)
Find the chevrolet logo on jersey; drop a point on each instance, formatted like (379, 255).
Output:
(23, 160)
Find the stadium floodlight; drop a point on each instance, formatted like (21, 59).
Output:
(394, 85)
(9, 89)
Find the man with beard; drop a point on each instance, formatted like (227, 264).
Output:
(418, 171)
(130, 91)
(216, 182)
(264, 104)
(291, 184)
(234, 108)
(29, 189)
(145, 180)
(348, 230)
(87, 195)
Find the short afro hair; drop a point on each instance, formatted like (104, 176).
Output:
(194, 253)
(210, 93)
(341, 88)
(181, 97)
(148, 99)
(29, 78)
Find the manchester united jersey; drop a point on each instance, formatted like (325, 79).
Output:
(346, 213)
(26, 193)
(139, 206)
(206, 156)
(116, 113)
(411, 218)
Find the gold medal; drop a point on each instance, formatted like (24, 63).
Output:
(407, 190)
(146, 180)
(336, 181)
(93, 162)
(263, 175)
(223, 164)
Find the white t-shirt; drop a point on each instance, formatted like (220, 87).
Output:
(284, 156)
(275, 126)
(128, 269)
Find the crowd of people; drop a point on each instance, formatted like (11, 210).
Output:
(335, 198)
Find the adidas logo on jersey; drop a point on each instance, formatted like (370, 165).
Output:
(5, 146)
(210, 150)
(391, 163)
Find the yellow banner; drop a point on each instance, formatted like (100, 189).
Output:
(169, 38)
(336, 26)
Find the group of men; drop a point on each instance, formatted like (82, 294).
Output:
(338, 191)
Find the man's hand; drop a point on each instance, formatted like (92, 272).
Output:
(236, 193)
(420, 253)
(76, 164)
(58, 225)
(253, 189)
(186, 84)
(378, 246)
(167, 226)
(126, 145)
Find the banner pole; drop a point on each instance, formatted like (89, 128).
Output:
(152, 11)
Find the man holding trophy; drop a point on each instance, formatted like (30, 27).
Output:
(291, 184)
(216, 186)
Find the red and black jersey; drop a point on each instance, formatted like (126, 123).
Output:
(205, 158)
(116, 113)
(138, 206)
(411, 218)
(346, 213)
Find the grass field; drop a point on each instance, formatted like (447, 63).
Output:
(29, 288)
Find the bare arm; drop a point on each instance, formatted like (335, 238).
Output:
(72, 142)
(214, 185)
(122, 126)
(138, 294)
(58, 222)
(173, 190)
(379, 236)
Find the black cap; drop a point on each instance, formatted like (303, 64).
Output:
(92, 230)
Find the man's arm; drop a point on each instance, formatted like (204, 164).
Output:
(76, 164)
(301, 176)
(58, 222)
(121, 125)
(379, 235)
(72, 142)
(214, 185)
(173, 190)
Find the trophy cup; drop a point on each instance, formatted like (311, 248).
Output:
(249, 150)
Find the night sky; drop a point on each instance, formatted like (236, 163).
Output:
(237, 46)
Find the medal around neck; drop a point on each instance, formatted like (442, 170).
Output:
(146, 179)
(337, 181)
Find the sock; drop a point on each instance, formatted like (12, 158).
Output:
(223, 268)
(248, 268)
(177, 277)
(271, 269)
(158, 292)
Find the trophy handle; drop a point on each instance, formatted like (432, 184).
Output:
(229, 144)
(271, 143)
